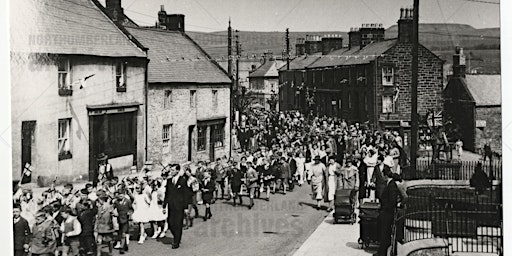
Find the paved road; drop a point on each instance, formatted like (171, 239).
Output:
(277, 227)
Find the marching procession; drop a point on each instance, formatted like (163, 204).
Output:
(277, 152)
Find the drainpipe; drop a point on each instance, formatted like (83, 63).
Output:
(146, 108)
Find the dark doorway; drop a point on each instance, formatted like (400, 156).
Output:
(212, 144)
(27, 139)
(190, 141)
(112, 134)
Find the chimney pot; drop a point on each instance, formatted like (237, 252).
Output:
(401, 13)
(162, 8)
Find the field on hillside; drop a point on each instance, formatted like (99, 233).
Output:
(484, 61)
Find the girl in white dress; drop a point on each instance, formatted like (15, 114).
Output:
(156, 211)
(300, 160)
(141, 202)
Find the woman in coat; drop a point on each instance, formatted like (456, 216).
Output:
(207, 188)
(330, 182)
(348, 178)
(317, 180)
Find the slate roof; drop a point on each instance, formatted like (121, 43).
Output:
(485, 89)
(269, 69)
(67, 27)
(176, 58)
(353, 56)
(301, 62)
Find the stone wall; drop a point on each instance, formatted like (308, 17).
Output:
(181, 115)
(492, 129)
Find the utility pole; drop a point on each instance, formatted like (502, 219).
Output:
(414, 89)
(230, 74)
(287, 49)
(237, 61)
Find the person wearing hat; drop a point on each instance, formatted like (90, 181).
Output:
(104, 169)
(44, 235)
(21, 232)
(252, 182)
(317, 180)
(348, 178)
(207, 187)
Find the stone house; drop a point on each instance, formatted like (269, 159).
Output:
(473, 105)
(78, 84)
(188, 99)
(264, 83)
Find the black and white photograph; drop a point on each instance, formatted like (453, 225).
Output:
(243, 127)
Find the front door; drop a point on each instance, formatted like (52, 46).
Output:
(27, 138)
(212, 144)
(190, 141)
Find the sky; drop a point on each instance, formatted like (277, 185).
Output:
(310, 15)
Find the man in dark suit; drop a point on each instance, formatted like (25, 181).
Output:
(378, 177)
(388, 204)
(21, 231)
(175, 199)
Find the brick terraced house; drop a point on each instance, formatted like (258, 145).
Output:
(368, 81)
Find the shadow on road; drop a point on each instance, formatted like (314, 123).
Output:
(323, 208)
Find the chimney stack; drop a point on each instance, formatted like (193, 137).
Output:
(313, 44)
(173, 22)
(354, 38)
(459, 63)
(371, 33)
(405, 25)
(331, 43)
(114, 10)
(299, 47)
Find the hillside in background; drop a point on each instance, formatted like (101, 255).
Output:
(440, 38)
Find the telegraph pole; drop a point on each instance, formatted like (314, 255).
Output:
(414, 88)
(287, 49)
(237, 61)
(230, 74)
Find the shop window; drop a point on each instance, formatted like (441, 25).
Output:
(201, 138)
(218, 135)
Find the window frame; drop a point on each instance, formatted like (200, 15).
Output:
(64, 140)
(167, 99)
(386, 74)
(215, 98)
(120, 77)
(201, 137)
(384, 109)
(218, 134)
(166, 136)
(193, 95)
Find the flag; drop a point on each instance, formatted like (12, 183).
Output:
(397, 91)
(26, 176)
(82, 81)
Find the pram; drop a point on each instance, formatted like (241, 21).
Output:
(368, 225)
(344, 206)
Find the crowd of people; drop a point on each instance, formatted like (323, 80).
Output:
(277, 152)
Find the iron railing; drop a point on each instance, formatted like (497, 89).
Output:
(454, 170)
(470, 222)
